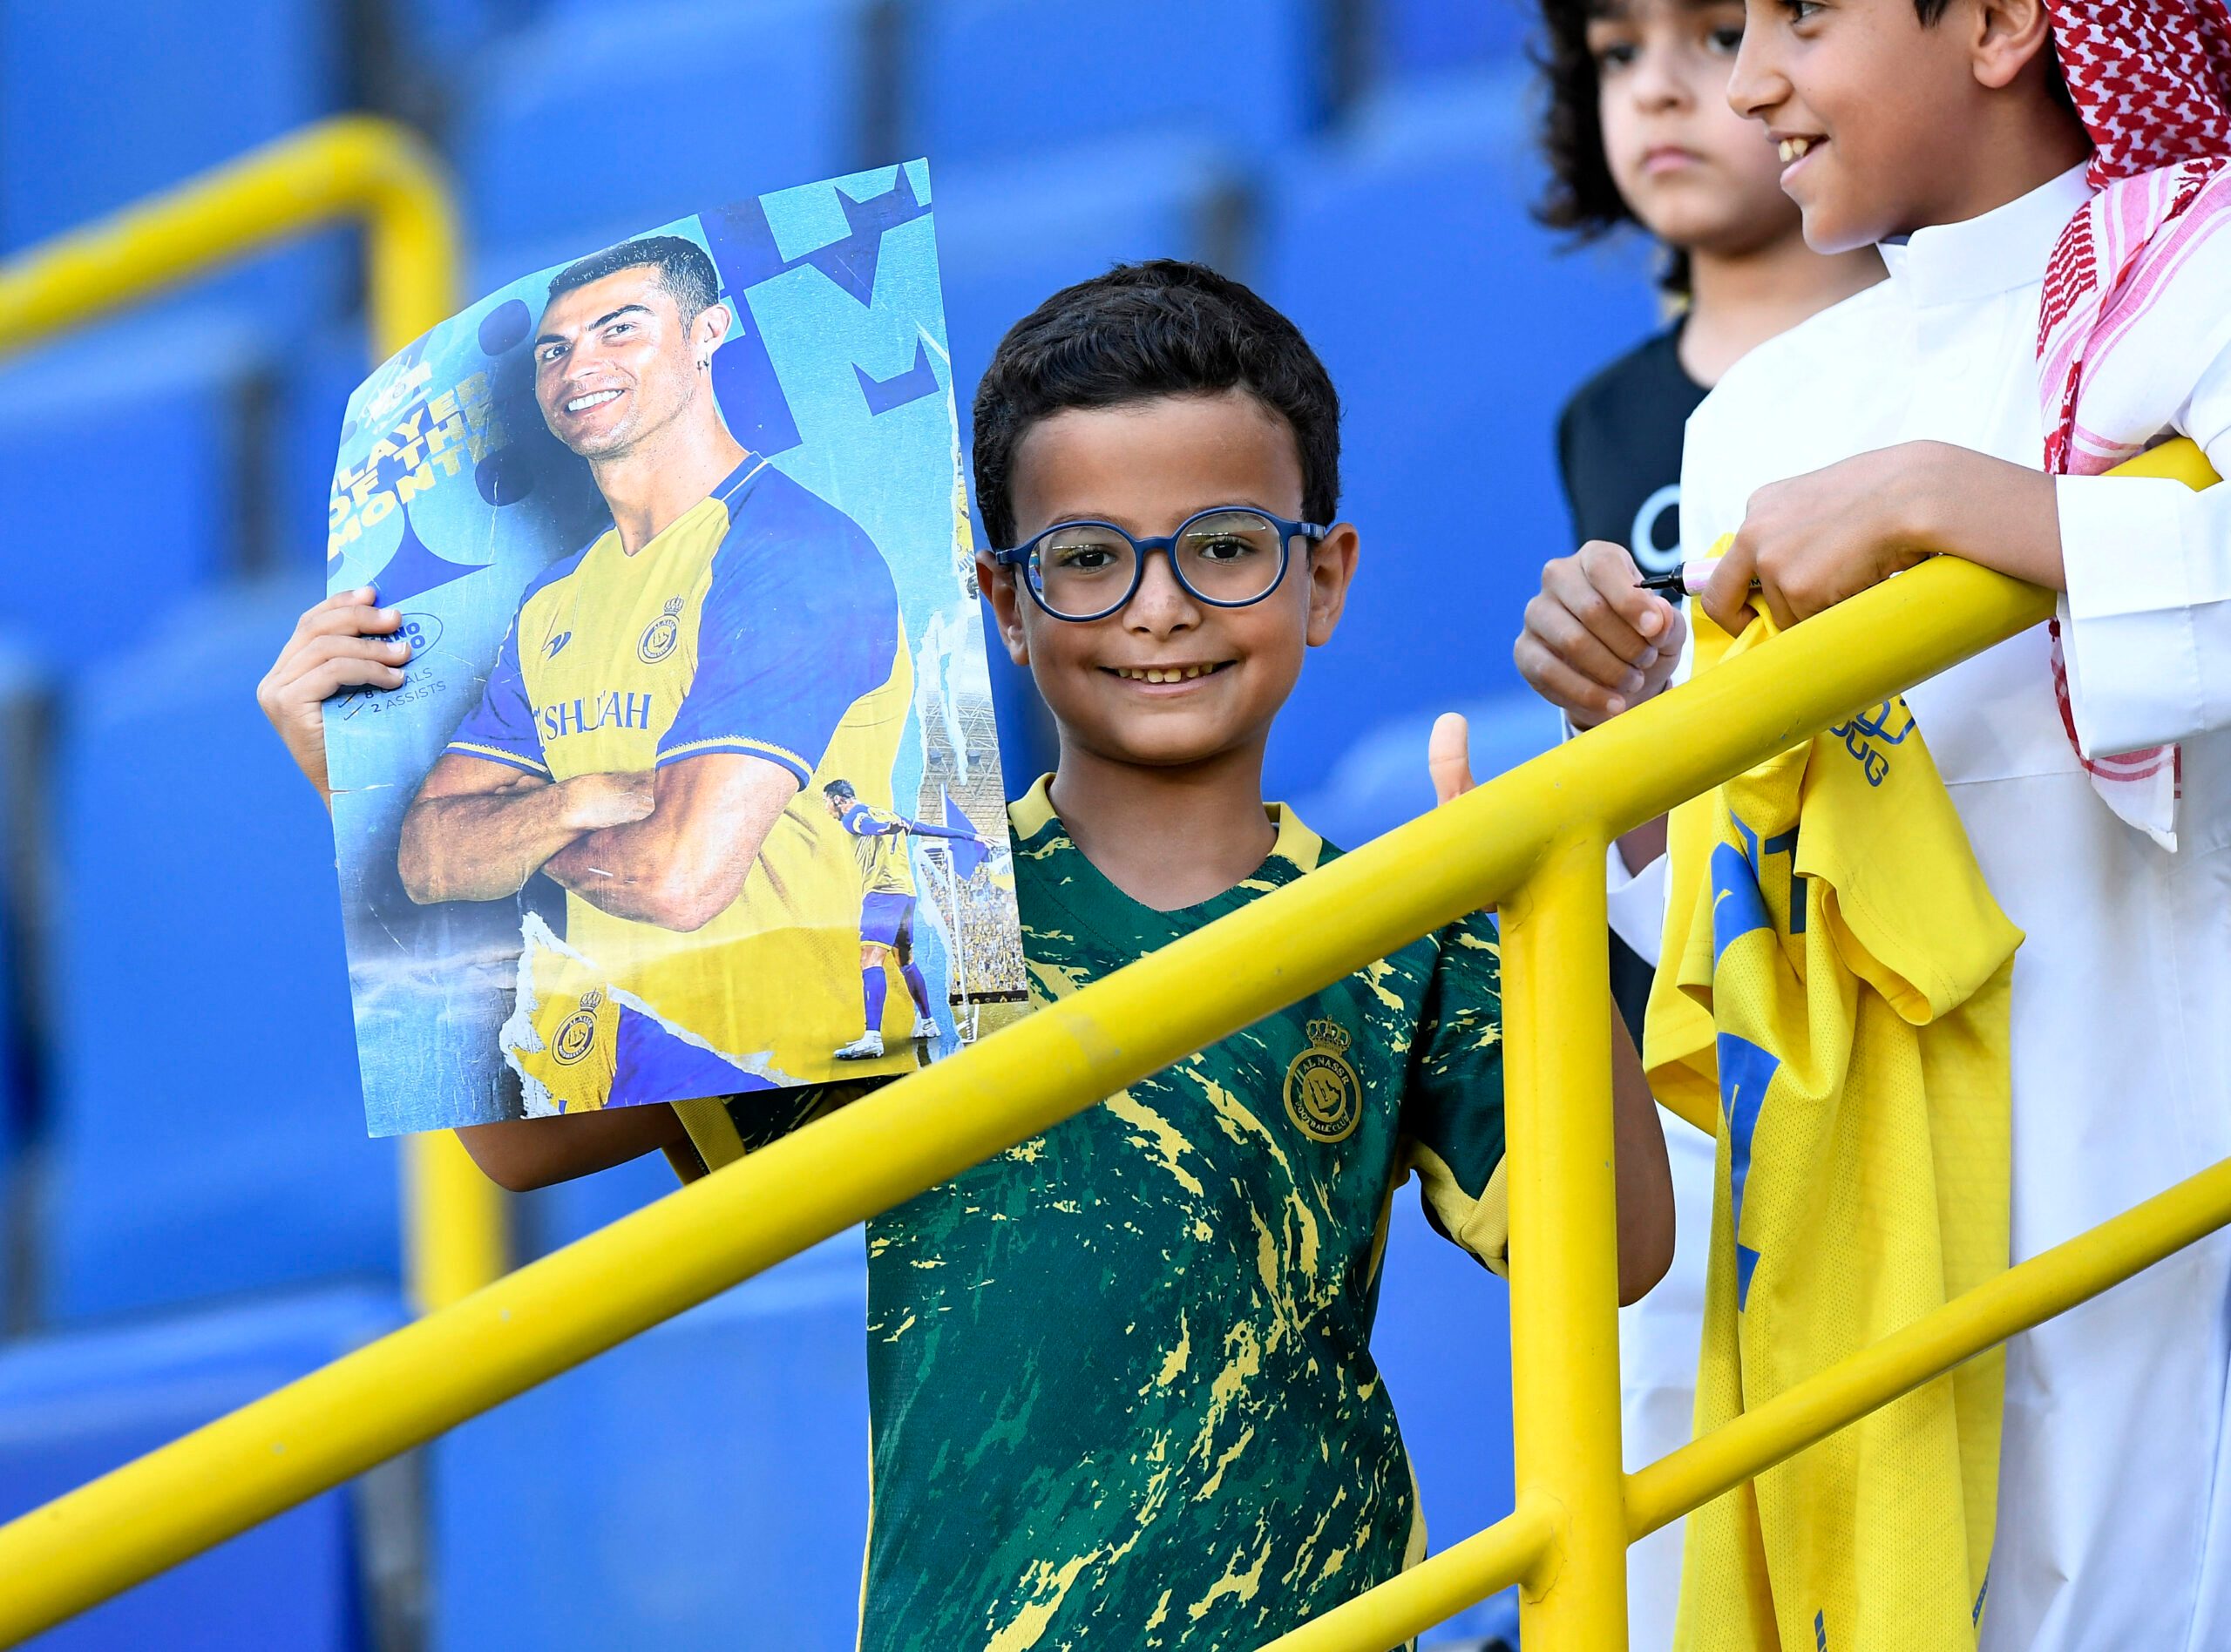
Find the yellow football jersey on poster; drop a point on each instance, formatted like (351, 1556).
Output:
(885, 866)
(761, 622)
(1834, 987)
(574, 1017)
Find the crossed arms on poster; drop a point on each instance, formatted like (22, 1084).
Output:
(621, 360)
(670, 848)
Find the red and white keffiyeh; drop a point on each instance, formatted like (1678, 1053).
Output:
(2152, 79)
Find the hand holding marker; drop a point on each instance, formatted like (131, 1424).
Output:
(1684, 581)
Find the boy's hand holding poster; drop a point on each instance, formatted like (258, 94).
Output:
(692, 787)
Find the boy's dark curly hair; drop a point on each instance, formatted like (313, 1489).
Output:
(1161, 327)
(1580, 195)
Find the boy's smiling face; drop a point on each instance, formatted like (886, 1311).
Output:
(1885, 123)
(1146, 466)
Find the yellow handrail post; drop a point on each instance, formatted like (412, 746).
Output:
(354, 168)
(1564, 1273)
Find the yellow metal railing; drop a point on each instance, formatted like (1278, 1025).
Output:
(1564, 1544)
(351, 170)
(1531, 841)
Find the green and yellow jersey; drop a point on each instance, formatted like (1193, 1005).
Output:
(1120, 1377)
(762, 621)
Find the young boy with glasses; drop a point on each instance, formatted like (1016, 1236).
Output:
(2046, 180)
(1121, 1385)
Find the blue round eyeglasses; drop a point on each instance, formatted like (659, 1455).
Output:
(1228, 557)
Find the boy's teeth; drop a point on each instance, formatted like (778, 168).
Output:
(590, 400)
(1176, 673)
(1795, 149)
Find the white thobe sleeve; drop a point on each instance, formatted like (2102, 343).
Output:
(2146, 624)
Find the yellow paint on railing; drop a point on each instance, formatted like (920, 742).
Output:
(352, 170)
(355, 169)
(1564, 1249)
(1436, 1590)
(2024, 1296)
(2053, 1282)
(455, 1234)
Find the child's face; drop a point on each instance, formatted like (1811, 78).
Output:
(1146, 467)
(1870, 111)
(1697, 175)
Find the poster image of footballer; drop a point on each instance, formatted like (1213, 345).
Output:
(692, 786)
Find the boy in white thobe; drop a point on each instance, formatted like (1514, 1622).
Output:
(1947, 137)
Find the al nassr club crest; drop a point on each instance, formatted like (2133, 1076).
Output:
(1324, 1096)
(577, 1032)
(660, 635)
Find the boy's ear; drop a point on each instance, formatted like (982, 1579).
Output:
(2010, 35)
(997, 583)
(1331, 565)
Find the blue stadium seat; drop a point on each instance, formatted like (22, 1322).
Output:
(437, 38)
(1414, 39)
(1380, 781)
(209, 1131)
(701, 1487)
(311, 391)
(595, 123)
(998, 79)
(86, 91)
(23, 708)
(75, 1406)
(120, 459)
(1008, 236)
(102, 104)
(551, 1217)
(1453, 329)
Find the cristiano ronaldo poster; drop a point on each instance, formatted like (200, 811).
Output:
(691, 787)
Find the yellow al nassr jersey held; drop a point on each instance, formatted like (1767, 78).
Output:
(1833, 988)
(761, 622)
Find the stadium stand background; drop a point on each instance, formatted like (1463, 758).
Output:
(189, 1211)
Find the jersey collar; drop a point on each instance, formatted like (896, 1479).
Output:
(1032, 812)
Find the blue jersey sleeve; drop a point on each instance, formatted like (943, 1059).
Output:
(862, 822)
(923, 829)
(801, 620)
(500, 729)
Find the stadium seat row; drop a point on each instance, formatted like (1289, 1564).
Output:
(729, 100)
